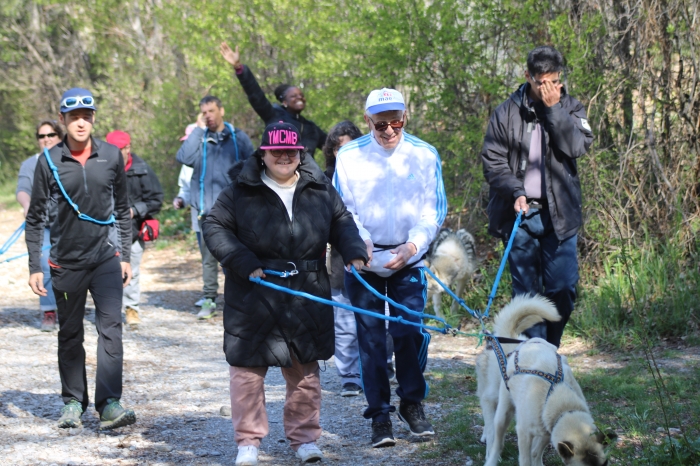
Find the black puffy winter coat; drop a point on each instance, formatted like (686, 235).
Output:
(249, 228)
(505, 156)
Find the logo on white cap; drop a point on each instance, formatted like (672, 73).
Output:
(384, 100)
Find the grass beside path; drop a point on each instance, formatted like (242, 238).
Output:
(622, 396)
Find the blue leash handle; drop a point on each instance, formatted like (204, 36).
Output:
(22, 255)
(12, 239)
(357, 310)
(451, 293)
(81, 215)
(204, 163)
(518, 219)
(422, 315)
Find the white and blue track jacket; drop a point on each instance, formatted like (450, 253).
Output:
(396, 196)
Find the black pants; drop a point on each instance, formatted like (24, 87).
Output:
(70, 287)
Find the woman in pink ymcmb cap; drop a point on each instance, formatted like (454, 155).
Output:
(277, 216)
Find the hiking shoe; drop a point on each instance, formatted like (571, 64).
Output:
(309, 453)
(201, 301)
(48, 323)
(70, 415)
(351, 389)
(114, 415)
(412, 414)
(132, 317)
(247, 456)
(382, 435)
(208, 309)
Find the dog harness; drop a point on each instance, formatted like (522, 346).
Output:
(502, 358)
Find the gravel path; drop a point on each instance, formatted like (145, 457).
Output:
(176, 379)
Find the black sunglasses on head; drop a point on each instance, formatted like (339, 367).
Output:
(47, 135)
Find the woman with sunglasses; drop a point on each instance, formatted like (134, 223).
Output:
(277, 216)
(291, 98)
(48, 134)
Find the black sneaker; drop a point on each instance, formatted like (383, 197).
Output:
(351, 389)
(412, 414)
(382, 435)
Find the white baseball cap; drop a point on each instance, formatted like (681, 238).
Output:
(384, 100)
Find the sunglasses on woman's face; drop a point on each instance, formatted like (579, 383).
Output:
(291, 153)
(383, 125)
(47, 135)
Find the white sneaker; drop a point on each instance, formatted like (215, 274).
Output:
(309, 453)
(208, 310)
(247, 456)
(200, 301)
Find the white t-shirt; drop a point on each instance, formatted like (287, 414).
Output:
(286, 193)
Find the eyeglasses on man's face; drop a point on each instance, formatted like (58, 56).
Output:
(382, 126)
(540, 83)
(47, 135)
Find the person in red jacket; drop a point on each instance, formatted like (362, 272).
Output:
(145, 201)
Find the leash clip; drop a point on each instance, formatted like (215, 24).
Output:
(291, 273)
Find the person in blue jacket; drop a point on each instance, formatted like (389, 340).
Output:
(212, 148)
(291, 98)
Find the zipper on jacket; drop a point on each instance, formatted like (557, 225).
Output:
(85, 178)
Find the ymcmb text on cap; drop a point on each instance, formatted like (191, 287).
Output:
(281, 136)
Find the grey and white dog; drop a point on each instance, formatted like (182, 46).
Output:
(452, 258)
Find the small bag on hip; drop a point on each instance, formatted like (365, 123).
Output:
(149, 230)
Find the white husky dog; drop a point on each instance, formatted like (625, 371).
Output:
(452, 258)
(544, 411)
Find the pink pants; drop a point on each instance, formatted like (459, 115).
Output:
(302, 405)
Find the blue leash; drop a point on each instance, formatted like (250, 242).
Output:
(518, 219)
(392, 302)
(472, 312)
(81, 215)
(22, 255)
(357, 310)
(204, 163)
(12, 239)
(461, 302)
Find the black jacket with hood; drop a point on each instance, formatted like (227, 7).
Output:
(567, 136)
(312, 137)
(145, 193)
(99, 189)
(249, 228)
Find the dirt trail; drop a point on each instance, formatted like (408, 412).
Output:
(175, 378)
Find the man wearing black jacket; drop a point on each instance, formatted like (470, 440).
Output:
(87, 178)
(145, 200)
(529, 157)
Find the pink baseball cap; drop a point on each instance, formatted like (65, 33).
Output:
(281, 136)
(188, 130)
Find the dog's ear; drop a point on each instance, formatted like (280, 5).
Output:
(565, 449)
(606, 438)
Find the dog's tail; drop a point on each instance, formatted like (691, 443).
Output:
(469, 246)
(523, 312)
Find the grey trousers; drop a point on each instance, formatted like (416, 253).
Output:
(347, 351)
(210, 268)
(132, 293)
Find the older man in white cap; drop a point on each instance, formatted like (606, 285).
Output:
(392, 184)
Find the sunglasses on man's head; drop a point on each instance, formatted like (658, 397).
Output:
(70, 102)
(383, 125)
(47, 135)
